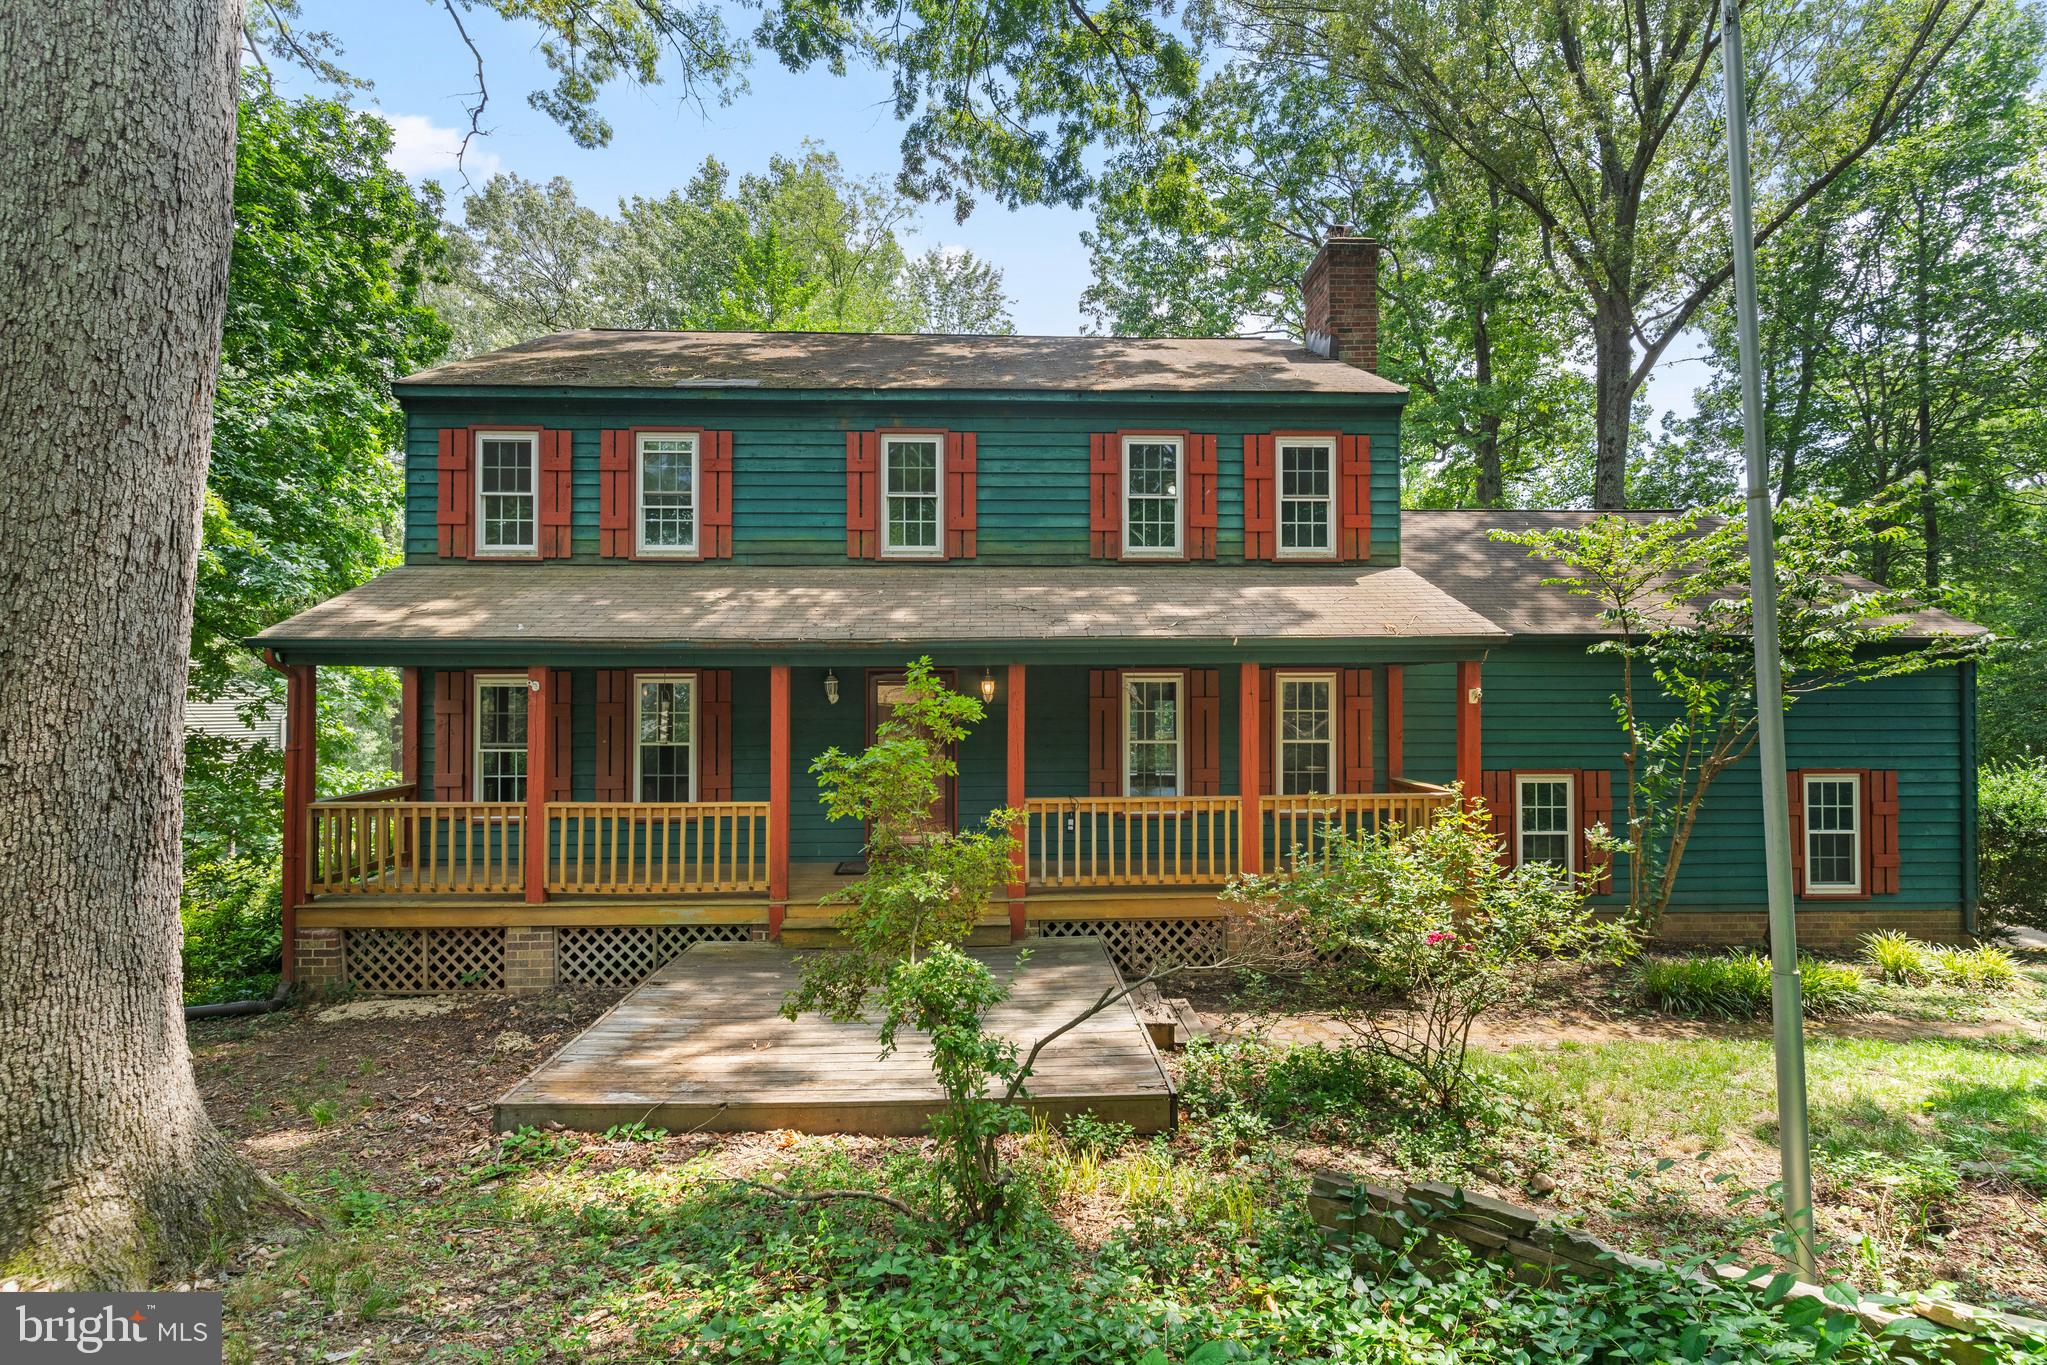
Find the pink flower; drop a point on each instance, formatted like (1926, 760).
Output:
(1439, 936)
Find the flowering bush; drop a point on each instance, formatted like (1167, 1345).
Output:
(1409, 939)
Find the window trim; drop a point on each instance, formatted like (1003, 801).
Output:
(1178, 678)
(695, 437)
(482, 680)
(1179, 441)
(1330, 443)
(1832, 890)
(696, 712)
(887, 440)
(531, 437)
(1572, 833)
(1329, 678)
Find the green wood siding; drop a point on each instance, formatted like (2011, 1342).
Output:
(789, 465)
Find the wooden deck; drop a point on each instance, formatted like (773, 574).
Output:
(701, 1045)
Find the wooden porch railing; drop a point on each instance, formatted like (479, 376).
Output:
(1131, 840)
(668, 849)
(1300, 825)
(381, 842)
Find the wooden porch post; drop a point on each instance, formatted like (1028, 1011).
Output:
(778, 797)
(1018, 867)
(408, 728)
(1396, 722)
(301, 760)
(1469, 708)
(539, 735)
(1250, 763)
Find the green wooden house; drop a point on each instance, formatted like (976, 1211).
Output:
(649, 576)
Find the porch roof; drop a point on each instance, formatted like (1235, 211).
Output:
(551, 607)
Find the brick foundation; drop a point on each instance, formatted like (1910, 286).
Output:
(1831, 929)
(530, 958)
(319, 959)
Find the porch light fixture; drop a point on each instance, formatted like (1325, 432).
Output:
(987, 685)
(831, 688)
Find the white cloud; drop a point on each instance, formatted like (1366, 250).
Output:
(421, 148)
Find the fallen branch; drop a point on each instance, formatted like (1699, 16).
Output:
(824, 1196)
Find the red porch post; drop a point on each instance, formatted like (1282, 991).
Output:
(301, 769)
(778, 797)
(1469, 706)
(408, 727)
(1019, 871)
(1396, 722)
(1250, 763)
(539, 735)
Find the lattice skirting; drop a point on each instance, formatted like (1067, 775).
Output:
(1140, 946)
(624, 955)
(423, 961)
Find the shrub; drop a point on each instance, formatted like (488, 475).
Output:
(1896, 957)
(1737, 985)
(233, 930)
(1982, 968)
(2011, 842)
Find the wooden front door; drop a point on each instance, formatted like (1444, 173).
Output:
(883, 691)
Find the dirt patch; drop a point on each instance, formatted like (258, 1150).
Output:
(403, 1007)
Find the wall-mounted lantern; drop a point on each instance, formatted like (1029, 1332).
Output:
(831, 688)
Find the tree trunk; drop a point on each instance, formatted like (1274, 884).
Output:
(1922, 424)
(1613, 363)
(115, 181)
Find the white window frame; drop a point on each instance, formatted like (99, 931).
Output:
(1177, 550)
(889, 442)
(1522, 781)
(1279, 742)
(524, 684)
(1179, 682)
(531, 549)
(696, 711)
(1280, 499)
(641, 549)
(1855, 832)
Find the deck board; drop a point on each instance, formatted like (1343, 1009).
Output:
(701, 1045)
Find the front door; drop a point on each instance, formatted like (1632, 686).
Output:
(884, 690)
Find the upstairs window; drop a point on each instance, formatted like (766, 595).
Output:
(1543, 806)
(500, 758)
(913, 512)
(507, 492)
(1152, 472)
(667, 495)
(1306, 717)
(1307, 499)
(1833, 834)
(1151, 735)
(665, 730)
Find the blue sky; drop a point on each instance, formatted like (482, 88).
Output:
(422, 76)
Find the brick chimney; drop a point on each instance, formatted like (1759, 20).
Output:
(1341, 294)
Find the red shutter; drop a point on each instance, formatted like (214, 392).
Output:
(1880, 819)
(1496, 788)
(615, 495)
(1204, 732)
(456, 493)
(1796, 778)
(560, 737)
(1104, 732)
(1105, 511)
(1201, 481)
(451, 735)
(714, 535)
(1354, 729)
(1354, 498)
(863, 521)
(1268, 735)
(962, 510)
(1261, 497)
(714, 734)
(614, 735)
(1595, 807)
(557, 493)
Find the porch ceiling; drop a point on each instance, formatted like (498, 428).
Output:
(546, 608)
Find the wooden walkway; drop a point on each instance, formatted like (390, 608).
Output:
(701, 1045)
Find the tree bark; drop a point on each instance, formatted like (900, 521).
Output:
(1613, 363)
(115, 221)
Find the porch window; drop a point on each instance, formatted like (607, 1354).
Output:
(1151, 495)
(913, 497)
(1307, 734)
(1151, 734)
(1307, 499)
(665, 726)
(501, 738)
(1833, 834)
(1543, 819)
(507, 491)
(668, 495)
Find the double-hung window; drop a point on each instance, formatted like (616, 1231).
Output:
(665, 731)
(507, 492)
(1543, 819)
(500, 757)
(667, 488)
(913, 497)
(1152, 759)
(1833, 834)
(1153, 475)
(1307, 499)
(1306, 717)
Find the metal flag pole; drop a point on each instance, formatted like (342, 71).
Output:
(1786, 1006)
